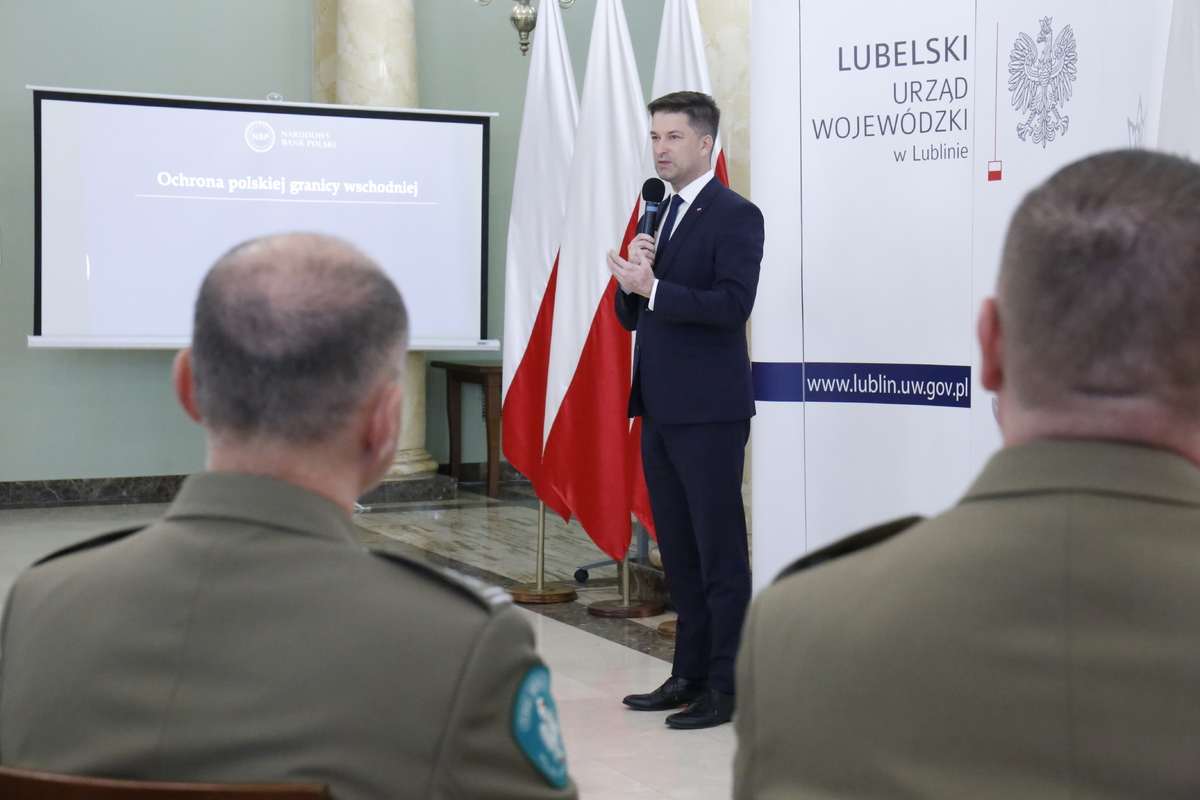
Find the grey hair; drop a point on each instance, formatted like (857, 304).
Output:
(291, 334)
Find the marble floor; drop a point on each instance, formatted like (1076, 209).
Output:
(613, 752)
(496, 540)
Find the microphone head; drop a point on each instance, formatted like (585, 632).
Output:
(654, 190)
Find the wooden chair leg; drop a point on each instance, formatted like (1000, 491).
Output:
(491, 407)
(454, 414)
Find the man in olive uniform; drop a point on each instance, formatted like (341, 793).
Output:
(247, 636)
(1041, 639)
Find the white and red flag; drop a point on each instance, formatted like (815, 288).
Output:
(588, 456)
(681, 64)
(535, 228)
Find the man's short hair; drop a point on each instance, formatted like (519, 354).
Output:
(291, 334)
(1099, 290)
(703, 115)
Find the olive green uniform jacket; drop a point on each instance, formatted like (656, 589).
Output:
(248, 637)
(1041, 639)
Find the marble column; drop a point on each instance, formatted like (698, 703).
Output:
(325, 53)
(726, 25)
(365, 54)
(412, 459)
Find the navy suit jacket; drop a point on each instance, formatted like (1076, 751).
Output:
(691, 362)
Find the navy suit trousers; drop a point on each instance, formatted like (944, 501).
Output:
(694, 476)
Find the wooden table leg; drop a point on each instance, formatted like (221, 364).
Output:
(491, 408)
(454, 414)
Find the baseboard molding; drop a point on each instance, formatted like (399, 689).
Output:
(476, 472)
(89, 491)
(162, 489)
(427, 487)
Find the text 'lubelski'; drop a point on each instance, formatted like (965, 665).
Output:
(881, 55)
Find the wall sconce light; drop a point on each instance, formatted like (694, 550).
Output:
(524, 18)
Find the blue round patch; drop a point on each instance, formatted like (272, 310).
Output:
(535, 726)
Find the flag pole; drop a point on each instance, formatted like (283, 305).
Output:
(541, 549)
(539, 591)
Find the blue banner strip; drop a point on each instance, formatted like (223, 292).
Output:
(891, 384)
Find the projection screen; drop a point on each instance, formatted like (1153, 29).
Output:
(136, 196)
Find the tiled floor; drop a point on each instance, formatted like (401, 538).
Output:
(496, 541)
(613, 752)
(28, 534)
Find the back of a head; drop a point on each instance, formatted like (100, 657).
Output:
(701, 110)
(291, 335)
(1099, 288)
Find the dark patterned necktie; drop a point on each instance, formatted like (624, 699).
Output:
(669, 223)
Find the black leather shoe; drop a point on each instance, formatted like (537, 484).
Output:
(674, 693)
(710, 709)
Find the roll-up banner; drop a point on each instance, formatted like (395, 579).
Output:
(892, 141)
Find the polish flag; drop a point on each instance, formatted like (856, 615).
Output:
(588, 457)
(535, 228)
(681, 64)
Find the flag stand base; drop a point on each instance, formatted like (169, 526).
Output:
(619, 608)
(625, 607)
(540, 591)
(547, 593)
(667, 629)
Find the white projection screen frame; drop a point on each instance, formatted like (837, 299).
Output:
(137, 195)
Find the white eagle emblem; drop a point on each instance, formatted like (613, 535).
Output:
(1040, 82)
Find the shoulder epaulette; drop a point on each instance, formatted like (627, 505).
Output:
(851, 544)
(90, 544)
(490, 597)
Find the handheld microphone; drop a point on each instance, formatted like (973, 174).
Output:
(653, 192)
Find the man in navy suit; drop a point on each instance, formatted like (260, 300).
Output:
(688, 295)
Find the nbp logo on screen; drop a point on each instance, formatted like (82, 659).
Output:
(260, 136)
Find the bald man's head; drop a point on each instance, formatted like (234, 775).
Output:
(291, 334)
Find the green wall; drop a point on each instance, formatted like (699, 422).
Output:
(88, 414)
